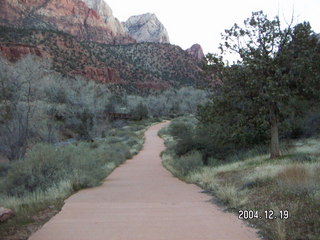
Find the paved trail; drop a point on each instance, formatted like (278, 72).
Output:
(142, 201)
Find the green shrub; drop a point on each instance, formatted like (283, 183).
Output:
(179, 129)
(43, 167)
(140, 112)
(183, 133)
(84, 165)
(4, 168)
(188, 163)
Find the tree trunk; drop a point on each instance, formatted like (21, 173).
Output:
(274, 117)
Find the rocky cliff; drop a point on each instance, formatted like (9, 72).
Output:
(105, 12)
(146, 28)
(196, 52)
(70, 16)
(13, 52)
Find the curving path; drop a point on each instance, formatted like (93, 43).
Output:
(142, 201)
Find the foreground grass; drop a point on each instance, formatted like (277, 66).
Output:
(291, 183)
(35, 187)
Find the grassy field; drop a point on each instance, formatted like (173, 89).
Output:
(280, 197)
(35, 187)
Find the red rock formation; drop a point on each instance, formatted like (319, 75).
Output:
(14, 52)
(196, 52)
(70, 16)
(103, 75)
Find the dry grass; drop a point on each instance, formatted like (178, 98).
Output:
(299, 179)
(231, 195)
(263, 173)
(280, 229)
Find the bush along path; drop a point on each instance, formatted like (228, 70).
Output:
(35, 187)
(141, 200)
(280, 197)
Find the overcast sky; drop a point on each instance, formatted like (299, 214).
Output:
(202, 21)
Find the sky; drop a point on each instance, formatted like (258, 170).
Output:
(202, 21)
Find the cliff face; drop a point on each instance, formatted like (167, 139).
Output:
(102, 75)
(14, 52)
(146, 28)
(105, 12)
(196, 52)
(70, 16)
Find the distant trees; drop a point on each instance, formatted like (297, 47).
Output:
(275, 66)
(39, 105)
(171, 102)
(140, 112)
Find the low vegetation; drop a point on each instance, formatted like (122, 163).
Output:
(252, 181)
(50, 173)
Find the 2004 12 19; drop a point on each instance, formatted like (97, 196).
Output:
(266, 214)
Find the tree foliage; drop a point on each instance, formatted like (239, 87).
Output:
(252, 96)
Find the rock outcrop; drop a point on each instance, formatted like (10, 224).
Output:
(196, 52)
(5, 214)
(70, 16)
(105, 12)
(146, 28)
(102, 75)
(14, 52)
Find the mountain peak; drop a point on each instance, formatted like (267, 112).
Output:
(146, 28)
(87, 20)
(196, 51)
(105, 12)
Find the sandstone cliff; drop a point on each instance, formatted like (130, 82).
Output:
(146, 28)
(70, 16)
(13, 52)
(105, 12)
(196, 52)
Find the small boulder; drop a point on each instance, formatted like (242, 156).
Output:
(5, 214)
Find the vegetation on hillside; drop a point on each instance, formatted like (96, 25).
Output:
(142, 67)
(163, 62)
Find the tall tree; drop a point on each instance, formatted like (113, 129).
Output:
(275, 64)
(17, 91)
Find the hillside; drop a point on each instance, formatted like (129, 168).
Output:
(148, 64)
(139, 65)
(84, 38)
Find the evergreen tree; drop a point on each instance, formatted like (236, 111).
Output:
(275, 65)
